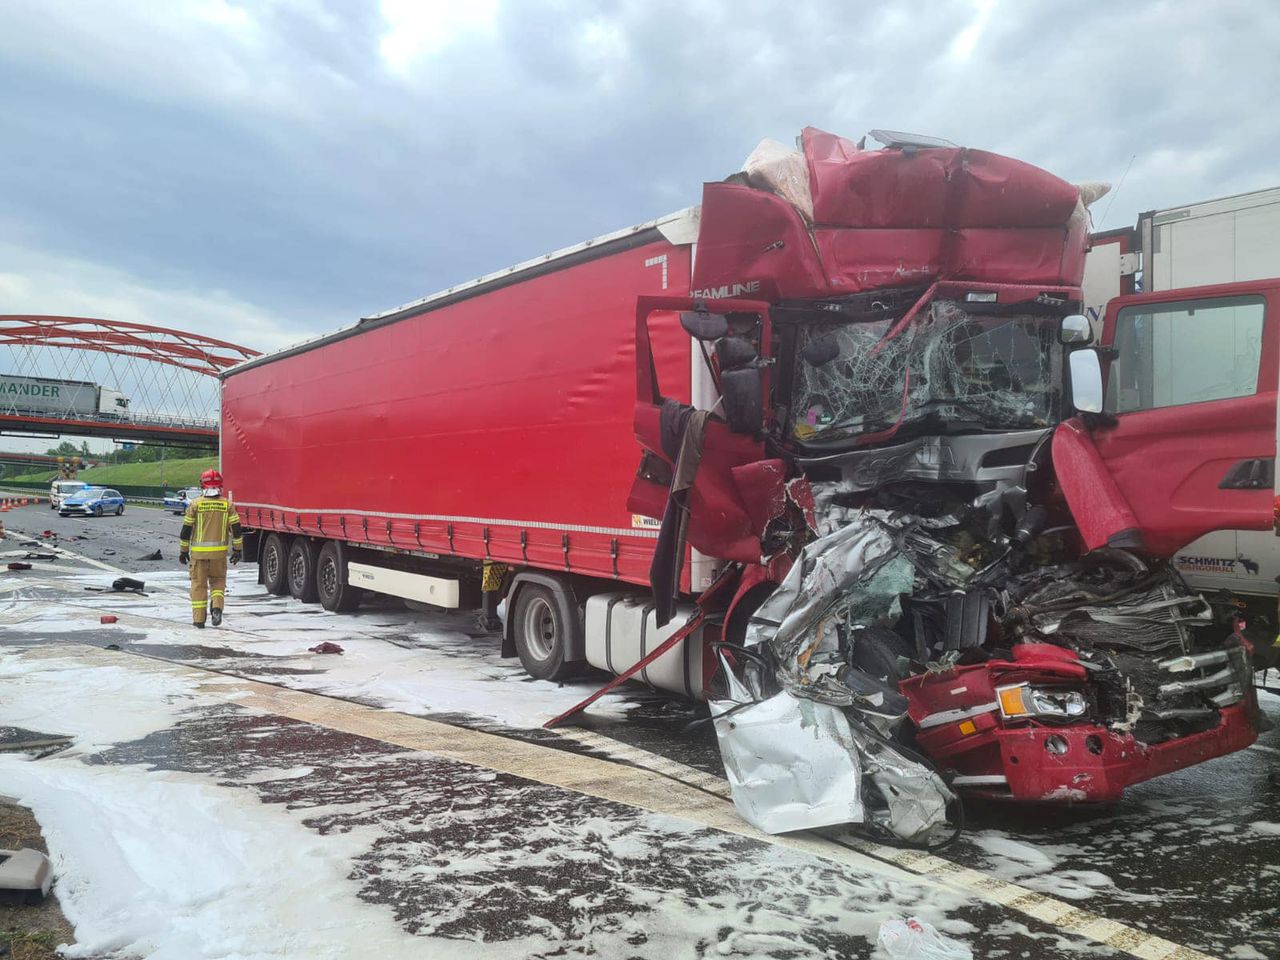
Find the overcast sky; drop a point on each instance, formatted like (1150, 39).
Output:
(264, 171)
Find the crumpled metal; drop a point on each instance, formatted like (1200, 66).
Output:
(799, 621)
(816, 753)
(916, 798)
(792, 764)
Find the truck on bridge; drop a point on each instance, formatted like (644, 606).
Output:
(840, 425)
(72, 399)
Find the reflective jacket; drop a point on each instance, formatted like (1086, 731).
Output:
(209, 523)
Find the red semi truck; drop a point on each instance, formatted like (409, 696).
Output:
(650, 431)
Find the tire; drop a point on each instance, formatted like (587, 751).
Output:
(877, 651)
(120, 511)
(335, 594)
(97, 511)
(540, 633)
(301, 573)
(275, 564)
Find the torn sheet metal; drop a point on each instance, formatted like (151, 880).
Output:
(801, 621)
(818, 752)
(793, 764)
(915, 798)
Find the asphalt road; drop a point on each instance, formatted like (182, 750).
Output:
(1193, 857)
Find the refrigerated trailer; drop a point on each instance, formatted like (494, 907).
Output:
(640, 442)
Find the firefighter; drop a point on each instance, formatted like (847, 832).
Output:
(210, 522)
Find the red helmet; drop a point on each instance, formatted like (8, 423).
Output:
(210, 478)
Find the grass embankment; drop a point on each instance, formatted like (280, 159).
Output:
(175, 473)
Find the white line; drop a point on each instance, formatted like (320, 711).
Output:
(1264, 748)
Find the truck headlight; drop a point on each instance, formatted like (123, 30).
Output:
(1023, 700)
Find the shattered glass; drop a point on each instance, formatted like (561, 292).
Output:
(991, 371)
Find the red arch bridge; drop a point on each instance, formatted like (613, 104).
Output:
(84, 377)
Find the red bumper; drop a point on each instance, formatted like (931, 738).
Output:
(960, 727)
(1097, 764)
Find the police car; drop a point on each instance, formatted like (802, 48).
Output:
(92, 502)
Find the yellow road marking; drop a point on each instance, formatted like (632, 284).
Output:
(635, 786)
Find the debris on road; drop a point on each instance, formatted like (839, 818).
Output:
(326, 647)
(19, 565)
(155, 555)
(108, 618)
(913, 939)
(39, 556)
(128, 584)
(25, 876)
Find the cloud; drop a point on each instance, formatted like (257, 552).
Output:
(35, 282)
(320, 162)
(416, 29)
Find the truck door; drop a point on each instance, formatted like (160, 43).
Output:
(732, 474)
(1186, 442)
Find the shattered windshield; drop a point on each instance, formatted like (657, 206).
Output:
(949, 368)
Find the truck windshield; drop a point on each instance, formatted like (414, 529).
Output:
(948, 369)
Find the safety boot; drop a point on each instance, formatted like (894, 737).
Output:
(198, 624)
(216, 615)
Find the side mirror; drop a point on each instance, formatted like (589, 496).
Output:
(1086, 381)
(743, 395)
(820, 351)
(1075, 329)
(704, 326)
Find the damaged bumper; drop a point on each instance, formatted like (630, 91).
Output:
(1088, 763)
(995, 757)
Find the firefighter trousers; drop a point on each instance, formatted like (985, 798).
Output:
(208, 584)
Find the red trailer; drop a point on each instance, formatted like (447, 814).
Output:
(835, 337)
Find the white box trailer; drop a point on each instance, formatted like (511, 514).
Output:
(1215, 241)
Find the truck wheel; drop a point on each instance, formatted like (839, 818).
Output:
(336, 595)
(302, 570)
(876, 651)
(274, 563)
(540, 633)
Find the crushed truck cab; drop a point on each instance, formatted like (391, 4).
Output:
(829, 449)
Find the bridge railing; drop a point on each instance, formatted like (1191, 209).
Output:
(93, 416)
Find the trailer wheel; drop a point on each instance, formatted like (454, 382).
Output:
(274, 564)
(336, 595)
(540, 633)
(302, 570)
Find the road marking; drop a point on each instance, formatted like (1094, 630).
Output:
(639, 788)
(1264, 748)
